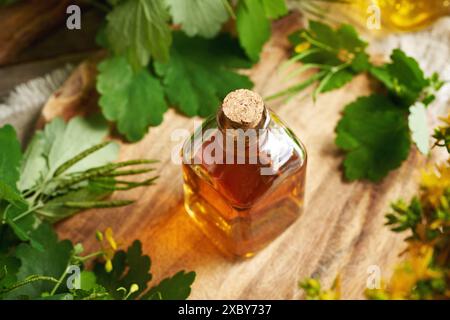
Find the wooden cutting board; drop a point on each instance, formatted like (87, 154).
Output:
(340, 232)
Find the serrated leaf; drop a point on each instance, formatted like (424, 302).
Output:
(199, 17)
(51, 262)
(139, 30)
(407, 71)
(199, 74)
(374, 134)
(10, 159)
(403, 77)
(253, 27)
(177, 287)
(135, 100)
(418, 124)
(130, 267)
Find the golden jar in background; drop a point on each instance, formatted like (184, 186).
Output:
(402, 15)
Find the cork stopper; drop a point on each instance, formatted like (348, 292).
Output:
(243, 108)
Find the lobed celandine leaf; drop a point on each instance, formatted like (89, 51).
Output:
(135, 100)
(199, 17)
(133, 268)
(51, 262)
(177, 287)
(138, 29)
(374, 135)
(403, 77)
(200, 73)
(130, 267)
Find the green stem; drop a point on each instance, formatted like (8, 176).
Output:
(306, 67)
(60, 280)
(96, 204)
(24, 214)
(317, 43)
(70, 163)
(229, 8)
(89, 256)
(28, 280)
(327, 78)
(298, 87)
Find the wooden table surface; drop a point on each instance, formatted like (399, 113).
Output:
(340, 232)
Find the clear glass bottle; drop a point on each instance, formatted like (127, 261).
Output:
(244, 175)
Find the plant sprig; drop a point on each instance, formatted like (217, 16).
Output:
(55, 182)
(396, 113)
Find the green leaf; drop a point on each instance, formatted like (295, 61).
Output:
(403, 77)
(349, 39)
(199, 74)
(199, 17)
(22, 222)
(34, 164)
(418, 124)
(130, 267)
(337, 80)
(138, 30)
(407, 71)
(253, 27)
(51, 262)
(134, 100)
(60, 142)
(338, 54)
(374, 134)
(9, 266)
(177, 287)
(10, 159)
(361, 62)
(88, 280)
(8, 240)
(324, 34)
(275, 9)
(55, 209)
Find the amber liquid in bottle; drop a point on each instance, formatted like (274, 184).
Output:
(237, 206)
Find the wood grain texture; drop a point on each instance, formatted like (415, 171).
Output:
(24, 22)
(340, 232)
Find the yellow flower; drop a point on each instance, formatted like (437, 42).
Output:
(302, 47)
(414, 269)
(108, 266)
(110, 238)
(435, 182)
(109, 250)
(134, 288)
